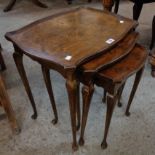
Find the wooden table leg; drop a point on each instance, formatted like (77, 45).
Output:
(5, 103)
(46, 75)
(111, 102)
(72, 87)
(135, 85)
(18, 58)
(87, 92)
(2, 64)
(108, 4)
(10, 5)
(40, 4)
(119, 95)
(78, 107)
(104, 97)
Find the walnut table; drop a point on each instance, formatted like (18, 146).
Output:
(63, 42)
(12, 3)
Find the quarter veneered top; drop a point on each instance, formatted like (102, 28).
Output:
(72, 37)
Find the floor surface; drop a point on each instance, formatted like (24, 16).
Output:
(134, 135)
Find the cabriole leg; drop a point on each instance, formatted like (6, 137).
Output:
(134, 88)
(46, 75)
(120, 94)
(78, 107)
(111, 101)
(18, 58)
(87, 93)
(72, 86)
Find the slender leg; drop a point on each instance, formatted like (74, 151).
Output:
(40, 4)
(134, 88)
(78, 107)
(87, 93)
(153, 33)
(104, 96)
(137, 9)
(10, 5)
(111, 101)
(3, 67)
(116, 6)
(72, 86)
(46, 75)
(18, 58)
(120, 94)
(5, 102)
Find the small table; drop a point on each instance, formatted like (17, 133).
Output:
(12, 3)
(63, 42)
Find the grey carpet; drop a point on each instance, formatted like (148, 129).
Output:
(134, 135)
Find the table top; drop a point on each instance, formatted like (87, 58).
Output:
(72, 37)
(122, 49)
(89, 69)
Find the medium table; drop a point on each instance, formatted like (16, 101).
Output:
(63, 42)
(12, 3)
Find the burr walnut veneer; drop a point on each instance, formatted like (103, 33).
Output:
(63, 42)
(112, 79)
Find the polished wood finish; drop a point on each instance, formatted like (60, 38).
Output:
(46, 75)
(12, 3)
(86, 25)
(63, 42)
(120, 50)
(18, 58)
(2, 64)
(112, 79)
(89, 70)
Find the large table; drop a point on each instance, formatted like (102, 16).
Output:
(65, 41)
